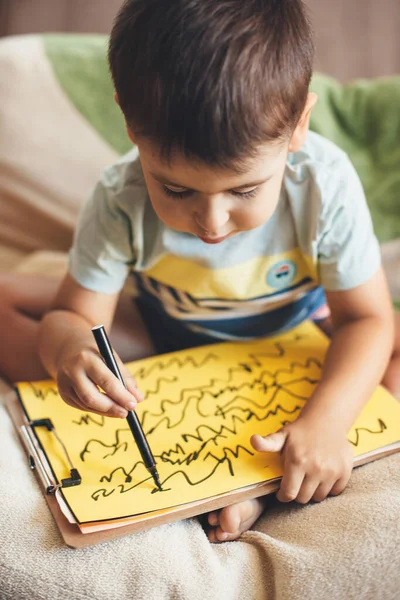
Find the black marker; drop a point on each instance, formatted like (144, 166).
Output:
(106, 352)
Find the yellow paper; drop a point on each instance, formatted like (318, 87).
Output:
(202, 405)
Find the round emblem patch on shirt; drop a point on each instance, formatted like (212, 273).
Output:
(281, 274)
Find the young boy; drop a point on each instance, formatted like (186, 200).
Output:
(235, 222)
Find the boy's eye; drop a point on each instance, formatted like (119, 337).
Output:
(176, 193)
(182, 193)
(245, 193)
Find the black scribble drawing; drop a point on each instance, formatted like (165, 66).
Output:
(43, 394)
(90, 418)
(117, 445)
(158, 386)
(227, 457)
(247, 394)
(162, 365)
(198, 417)
(381, 428)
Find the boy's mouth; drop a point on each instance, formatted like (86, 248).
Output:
(215, 240)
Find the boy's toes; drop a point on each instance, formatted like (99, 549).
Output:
(213, 518)
(212, 535)
(225, 524)
(224, 536)
(229, 523)
(230, 519)
(216, 534)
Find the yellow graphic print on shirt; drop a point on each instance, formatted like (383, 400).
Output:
(259, 284)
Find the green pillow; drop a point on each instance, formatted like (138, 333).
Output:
(363, 118)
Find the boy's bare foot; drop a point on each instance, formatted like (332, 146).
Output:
(230, 522)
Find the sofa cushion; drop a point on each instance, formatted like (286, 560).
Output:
(50, 155)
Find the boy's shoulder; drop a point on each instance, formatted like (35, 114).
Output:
(317, 153)
(320, 170)
(123, 173)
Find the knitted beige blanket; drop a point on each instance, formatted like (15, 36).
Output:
(345, 548)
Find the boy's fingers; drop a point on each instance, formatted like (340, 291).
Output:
(114, 410)
(72, 399)
(327, 489)
(308, 489)
(292, 480)
(93, 400)
(126, 374)
(101, 376)
(322, 491)
(132, 387)
(129, 380)
(270, 443)
(131, 384)
(340, 485)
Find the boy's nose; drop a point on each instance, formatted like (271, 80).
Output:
(213, 220)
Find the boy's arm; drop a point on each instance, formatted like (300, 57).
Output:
(317, 457)
(69, 352)
(362, 341)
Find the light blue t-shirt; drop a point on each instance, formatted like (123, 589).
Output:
(256, 283)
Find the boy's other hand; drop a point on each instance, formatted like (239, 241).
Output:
(80, 374)
(317, 459)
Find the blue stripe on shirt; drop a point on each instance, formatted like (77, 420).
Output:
(169, 334)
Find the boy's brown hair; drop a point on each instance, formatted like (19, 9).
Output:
(211, 79)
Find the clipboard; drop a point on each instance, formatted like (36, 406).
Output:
(71, 533)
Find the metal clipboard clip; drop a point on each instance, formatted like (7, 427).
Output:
(35, 461)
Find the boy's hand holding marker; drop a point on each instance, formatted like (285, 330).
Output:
(81, 372)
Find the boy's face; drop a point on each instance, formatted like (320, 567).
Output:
(214, 204)
(211, 203)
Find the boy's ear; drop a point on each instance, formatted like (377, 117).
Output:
(131, 135)
(299, 134)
